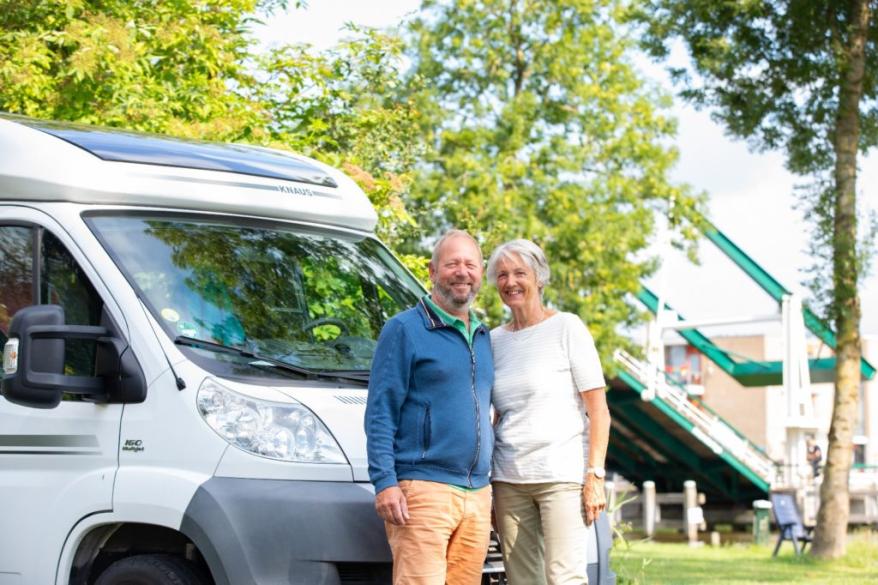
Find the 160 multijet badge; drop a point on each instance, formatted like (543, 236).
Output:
(133, 445)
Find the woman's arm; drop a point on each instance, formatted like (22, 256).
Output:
(594, 498)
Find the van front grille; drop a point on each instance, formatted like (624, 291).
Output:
(347, 399)
(364, 573)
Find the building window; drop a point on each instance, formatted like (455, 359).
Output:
(683, 364)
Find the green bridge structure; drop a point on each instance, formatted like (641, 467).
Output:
(669, 437)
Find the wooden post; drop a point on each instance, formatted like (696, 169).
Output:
(613, 514)
(648, 505)
(692, 515)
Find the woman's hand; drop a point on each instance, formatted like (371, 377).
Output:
(594, 498)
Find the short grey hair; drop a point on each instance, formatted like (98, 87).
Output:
(530, 254)
(453, 233)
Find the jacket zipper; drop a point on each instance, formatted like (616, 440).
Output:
(478, 416)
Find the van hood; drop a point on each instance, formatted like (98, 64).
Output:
(343, 411)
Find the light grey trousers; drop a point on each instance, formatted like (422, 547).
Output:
(542, 532)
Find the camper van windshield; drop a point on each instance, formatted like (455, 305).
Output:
(310, 298)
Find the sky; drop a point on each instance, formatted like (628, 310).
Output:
(750, 195)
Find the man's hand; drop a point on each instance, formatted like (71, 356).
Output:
(594, 500)
(391, 506)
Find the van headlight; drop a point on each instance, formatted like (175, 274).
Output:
(287, 432)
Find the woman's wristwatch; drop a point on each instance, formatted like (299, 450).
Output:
(598, 472)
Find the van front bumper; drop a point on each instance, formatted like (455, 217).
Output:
(272, 532)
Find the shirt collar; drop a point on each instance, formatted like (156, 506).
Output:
(449, 319)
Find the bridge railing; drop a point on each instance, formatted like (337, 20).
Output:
(708, 427)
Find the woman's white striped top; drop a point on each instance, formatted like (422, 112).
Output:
(539, 371)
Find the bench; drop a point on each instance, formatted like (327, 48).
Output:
(789, 522)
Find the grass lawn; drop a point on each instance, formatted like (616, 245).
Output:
(650, 563)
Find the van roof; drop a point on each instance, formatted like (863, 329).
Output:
(56, 161)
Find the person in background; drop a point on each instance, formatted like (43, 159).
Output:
(814, 456)
(552, 426)
(428, 431)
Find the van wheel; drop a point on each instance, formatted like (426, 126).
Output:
(151, 570)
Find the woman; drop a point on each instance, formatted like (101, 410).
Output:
(552, 425)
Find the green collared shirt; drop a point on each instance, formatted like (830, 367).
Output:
(457, 322)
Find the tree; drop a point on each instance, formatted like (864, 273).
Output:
(540, 128)
(189, 69)
(796, 75)
(171, 67)
(349, 107)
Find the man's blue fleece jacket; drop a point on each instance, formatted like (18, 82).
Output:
(427, 415)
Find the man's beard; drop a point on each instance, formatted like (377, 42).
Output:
(453, 300)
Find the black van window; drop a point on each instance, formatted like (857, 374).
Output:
(62, 282)
(16, 273)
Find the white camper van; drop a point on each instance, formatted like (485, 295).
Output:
(187, 331)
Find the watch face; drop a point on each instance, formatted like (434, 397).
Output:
(598, 472)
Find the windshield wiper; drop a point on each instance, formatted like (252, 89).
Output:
(243, 352)
(280, 364)
(359, 375)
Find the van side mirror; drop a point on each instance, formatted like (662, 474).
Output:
(33, 362)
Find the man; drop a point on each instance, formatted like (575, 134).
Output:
(429, 439)
(814, 457)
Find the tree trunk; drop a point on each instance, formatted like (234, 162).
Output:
(830, 538)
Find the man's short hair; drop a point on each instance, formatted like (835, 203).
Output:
(453, 233)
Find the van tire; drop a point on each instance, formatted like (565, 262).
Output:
(151, 570)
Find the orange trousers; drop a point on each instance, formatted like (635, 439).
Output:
(446, 537)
